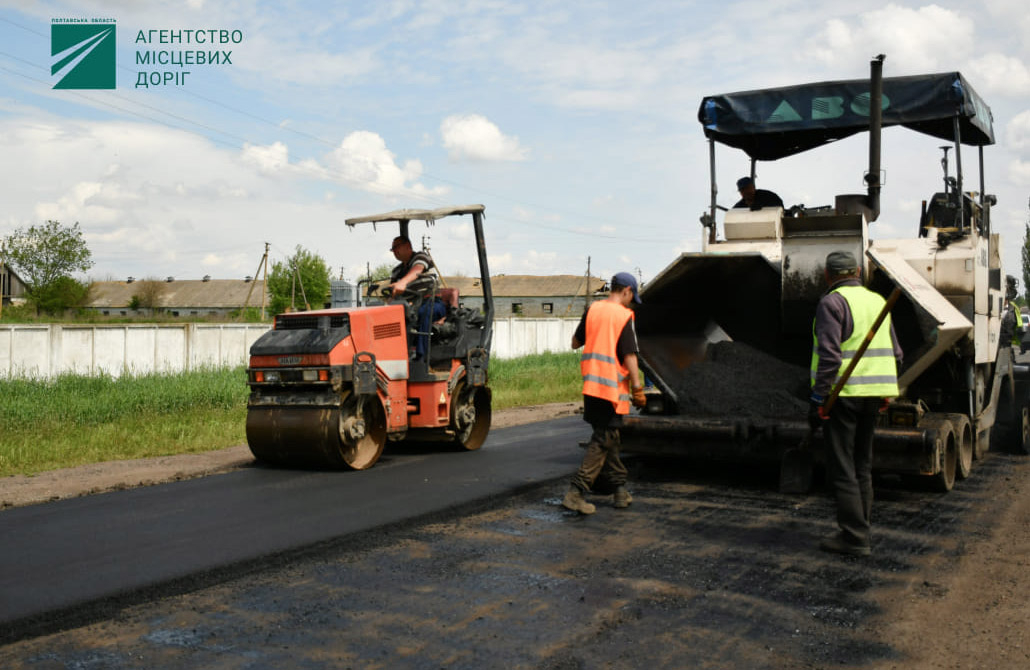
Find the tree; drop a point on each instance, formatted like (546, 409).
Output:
(1026, 260)
(148, 295)
(302, 275)
(378, 276)
(61, 294)
(43, 254)
(45, 257)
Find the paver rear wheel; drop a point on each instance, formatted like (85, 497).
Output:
(963, 444)
(943, 432)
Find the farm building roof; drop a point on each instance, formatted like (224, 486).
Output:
(214, 293)
(527, 286)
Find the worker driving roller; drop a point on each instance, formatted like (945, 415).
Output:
(413, 264)
(755, 198)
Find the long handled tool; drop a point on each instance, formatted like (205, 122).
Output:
(796, 466)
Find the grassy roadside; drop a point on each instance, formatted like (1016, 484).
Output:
(76, 420)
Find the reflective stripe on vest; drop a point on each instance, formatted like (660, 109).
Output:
(876, 374)
(603, 376)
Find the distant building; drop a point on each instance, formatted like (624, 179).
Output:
(530, 295)
(12, 288)
(175, 297)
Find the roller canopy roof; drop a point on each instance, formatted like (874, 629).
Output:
(417, 214)
(778, 122)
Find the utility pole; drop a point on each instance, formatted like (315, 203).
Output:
(5, 279)
(298, 279)
(263, 263)
(586, 289)
(264, 282)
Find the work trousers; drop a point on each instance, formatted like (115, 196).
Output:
(601, 470)
(849, 463)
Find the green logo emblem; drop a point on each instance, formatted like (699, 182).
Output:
(83, 55)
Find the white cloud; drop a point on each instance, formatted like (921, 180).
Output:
(364, 161)
(915, 40)
(1019, 172)
(476, 138)
(1000, 74)
(268, 159)
(1017, 132)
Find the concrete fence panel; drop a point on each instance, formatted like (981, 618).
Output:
(515, 337)
(50, 350)
(24, 349)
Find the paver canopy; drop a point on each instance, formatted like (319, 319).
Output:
(774, 123)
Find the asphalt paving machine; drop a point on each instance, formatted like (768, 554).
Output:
(726, 333)
(329, 387)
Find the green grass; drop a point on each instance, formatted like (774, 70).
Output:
(535, 380)
(74, 420)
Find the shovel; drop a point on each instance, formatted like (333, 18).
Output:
(796, 466)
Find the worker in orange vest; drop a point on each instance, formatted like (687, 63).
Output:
(611, 381)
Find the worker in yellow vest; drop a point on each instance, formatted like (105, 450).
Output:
(1020, 325)
(844, 316)
(611, 382)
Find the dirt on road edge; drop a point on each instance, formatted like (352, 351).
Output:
(20, 490)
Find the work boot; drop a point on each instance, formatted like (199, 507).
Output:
(622, 498)
(575, 502)
(838, 545)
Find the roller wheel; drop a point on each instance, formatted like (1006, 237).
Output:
(350, 435)
(470, 415)
(362, 432)
(963, 444)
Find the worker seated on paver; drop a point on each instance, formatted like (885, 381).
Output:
(755, 198)
(412, 267)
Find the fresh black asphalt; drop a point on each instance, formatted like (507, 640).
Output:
(62, 556)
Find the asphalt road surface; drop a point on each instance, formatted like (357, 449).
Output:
(479, 566)
(65, 561)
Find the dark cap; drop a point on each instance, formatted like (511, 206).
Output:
(841, 263)
(626, 279)
(745, 181)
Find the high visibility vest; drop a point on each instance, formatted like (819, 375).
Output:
(603, 375)
(876, 374)
(1019, 324)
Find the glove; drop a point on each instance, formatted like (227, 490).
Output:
(639, 399)
(884, 404)
(816, 412)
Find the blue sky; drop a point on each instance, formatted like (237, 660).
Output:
(575, 123)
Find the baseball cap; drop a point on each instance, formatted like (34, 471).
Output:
(841, 262)
(626, 279)
(744, 181)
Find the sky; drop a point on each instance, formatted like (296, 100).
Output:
(573, 122)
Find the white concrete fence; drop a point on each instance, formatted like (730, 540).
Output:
(47, 350)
